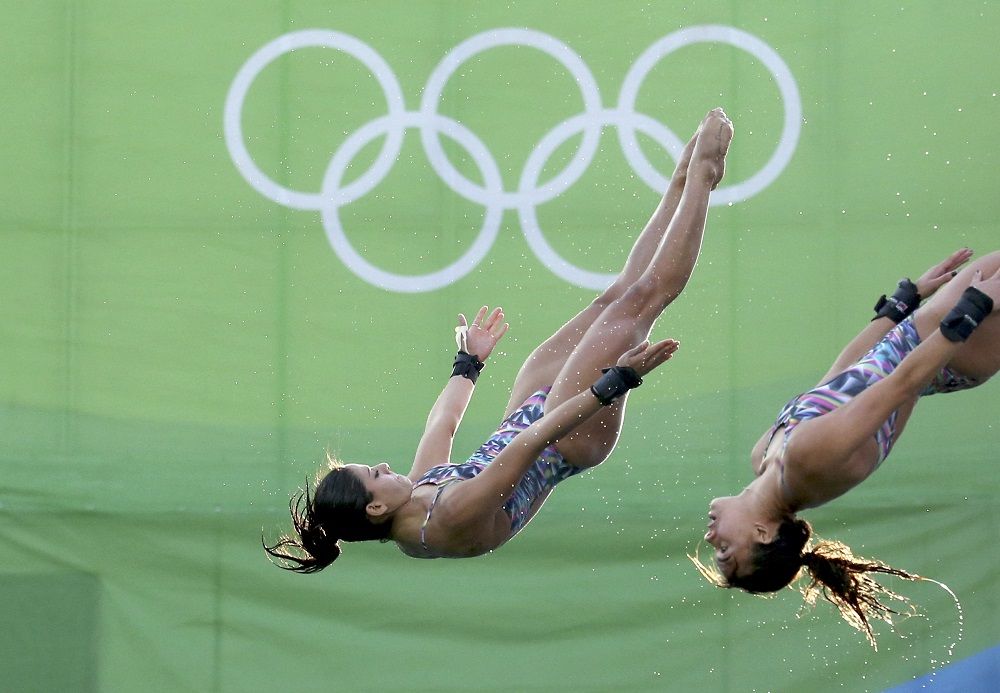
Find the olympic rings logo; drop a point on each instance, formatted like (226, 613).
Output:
(491, 194)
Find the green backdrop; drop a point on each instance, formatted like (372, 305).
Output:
(180, 350)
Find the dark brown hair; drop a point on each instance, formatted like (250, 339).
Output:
(835, 573)
(334, 513)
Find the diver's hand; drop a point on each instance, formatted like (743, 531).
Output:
(989, 286)
(482, 335)
(645, 357)
(941, 273)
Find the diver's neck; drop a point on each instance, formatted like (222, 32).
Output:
(765, 493)
(405, 518)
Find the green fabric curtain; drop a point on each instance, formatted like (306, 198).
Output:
(227, 250)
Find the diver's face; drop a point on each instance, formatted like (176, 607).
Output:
(732, 530)
(389, 490)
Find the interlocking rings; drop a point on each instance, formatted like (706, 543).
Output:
(491, 194)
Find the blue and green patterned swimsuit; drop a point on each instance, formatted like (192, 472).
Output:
(871, 368)
(545, 472)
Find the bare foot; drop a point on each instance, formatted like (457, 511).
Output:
(708, 160)
(684, 160)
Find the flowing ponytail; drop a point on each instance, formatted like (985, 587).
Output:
(311, 548)
(844, 580)
(835, 573)
(320, 522)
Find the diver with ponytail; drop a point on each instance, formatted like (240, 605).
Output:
(321, 520)
(833, 572)
(828, 440)
(564, 416)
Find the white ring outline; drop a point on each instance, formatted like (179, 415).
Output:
(790, 97)
(471, 47)
(532, 230)
(491, 194)
(398, 282)
(264, 56)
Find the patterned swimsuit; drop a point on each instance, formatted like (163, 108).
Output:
(871, 368)
(545, 472)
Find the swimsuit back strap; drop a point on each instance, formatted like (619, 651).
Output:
(423, 528)
(788, 424)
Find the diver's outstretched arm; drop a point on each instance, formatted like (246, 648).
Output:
(927, 284)
(833, 438)
(483, 495)
(476, 340)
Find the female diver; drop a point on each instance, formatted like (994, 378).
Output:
(556, 425)
(828, 440)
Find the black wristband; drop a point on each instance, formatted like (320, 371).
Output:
(614, 383)
(965, 317)
(467, 365)
(901, 304)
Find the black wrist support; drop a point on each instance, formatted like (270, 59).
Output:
(614, 383)
(965, 317)
(467, 365)
(900, 305)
